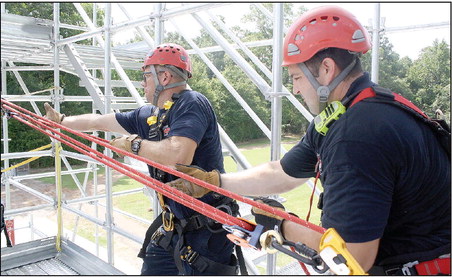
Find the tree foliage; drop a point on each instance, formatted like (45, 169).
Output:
(425, 81)
(429, 76)
(24, 138)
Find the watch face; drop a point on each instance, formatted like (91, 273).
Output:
(136, 146)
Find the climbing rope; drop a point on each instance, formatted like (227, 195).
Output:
(43, 125)
(47, 127)
(50, 128)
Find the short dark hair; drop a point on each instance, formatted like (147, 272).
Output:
(340, 56)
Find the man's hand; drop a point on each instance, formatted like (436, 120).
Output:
(268, 220)
(53, 115)
(124, 143)
(211, 177)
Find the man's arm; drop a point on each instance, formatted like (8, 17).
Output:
(94, 122)
(169, 151)
(270, 178)
(86, 122)
(265, 179)
(364, 252)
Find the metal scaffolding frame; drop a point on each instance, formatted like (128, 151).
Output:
(38, 42)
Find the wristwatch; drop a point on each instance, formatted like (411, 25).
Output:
(136, 144)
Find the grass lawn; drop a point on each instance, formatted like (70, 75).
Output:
(298, 199)
(68, 181)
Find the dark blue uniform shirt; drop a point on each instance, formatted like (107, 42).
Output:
(191, 116)
(384, 176)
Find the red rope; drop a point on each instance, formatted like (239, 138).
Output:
(201, 208)
(168, 191)
(312, 196)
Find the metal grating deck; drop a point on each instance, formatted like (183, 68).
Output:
(40, 257)
(46, 267)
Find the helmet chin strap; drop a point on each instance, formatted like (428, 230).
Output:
(159, 88)
(323, 92)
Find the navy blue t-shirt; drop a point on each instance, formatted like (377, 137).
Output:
(191, 116)
(384, 176)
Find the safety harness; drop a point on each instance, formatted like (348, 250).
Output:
(440, 265)
(161, 232)
(162, 235)
(379, 94)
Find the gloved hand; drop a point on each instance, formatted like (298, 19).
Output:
(211, 177)
(266, 219)
(53, 115)
(124, 143)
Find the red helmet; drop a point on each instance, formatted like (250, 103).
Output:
(321, 28)
(169, 54)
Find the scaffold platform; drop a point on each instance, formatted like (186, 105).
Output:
(40, 257)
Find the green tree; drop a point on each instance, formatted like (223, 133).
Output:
(429, 78)
(68, 14)
(23, 137)
(392, 69)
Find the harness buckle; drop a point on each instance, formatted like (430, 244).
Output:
(157, 235)
(168, 221)
(188, 254)
(408, 268)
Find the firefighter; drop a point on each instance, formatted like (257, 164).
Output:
(385, 172)
(179, 127)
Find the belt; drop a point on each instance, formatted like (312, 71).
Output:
(438, 266)
(434, 267)
(203, 264)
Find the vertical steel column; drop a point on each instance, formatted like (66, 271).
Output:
(57, 99)
(159, 27)
(5, 135)
(158, 39)
(276, 102)
(5, 138)
(276, 83)
(94, 38)
(108, 170)
(375, 43)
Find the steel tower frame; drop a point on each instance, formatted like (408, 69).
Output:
(38, 42)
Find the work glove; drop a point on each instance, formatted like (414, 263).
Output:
(124, 143)
(211, 177)
(266, 219)
(53, 115)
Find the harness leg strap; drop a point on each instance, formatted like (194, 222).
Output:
(147, 239)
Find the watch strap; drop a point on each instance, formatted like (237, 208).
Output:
(136, 144)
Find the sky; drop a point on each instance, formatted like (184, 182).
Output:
(405, 43)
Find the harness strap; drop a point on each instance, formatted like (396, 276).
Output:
(203, 264)
(177, 248)
(241, 260)
(439, 126)
(373, 91)
(181, 252)
(438, 266)
(147, 239)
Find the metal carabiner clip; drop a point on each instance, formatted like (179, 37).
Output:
(243, 237)
(168, 221)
